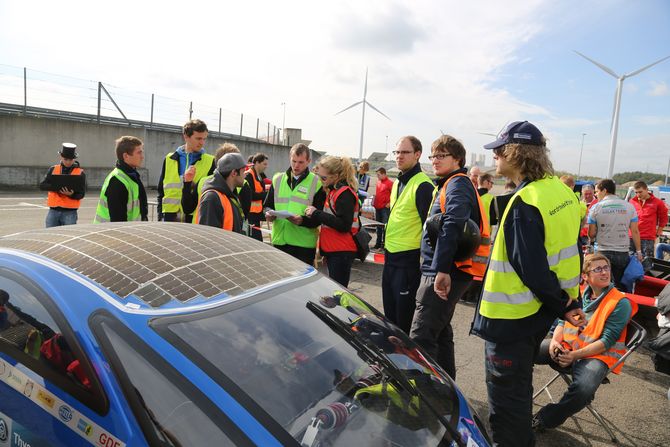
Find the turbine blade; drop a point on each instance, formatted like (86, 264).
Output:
(601, 66)
(644, 68)
(377, 110)
(351, 106)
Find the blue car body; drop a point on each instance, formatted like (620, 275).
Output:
(99, 348)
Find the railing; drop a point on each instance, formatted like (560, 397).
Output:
(32, 88)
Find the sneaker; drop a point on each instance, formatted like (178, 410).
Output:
(537, 423)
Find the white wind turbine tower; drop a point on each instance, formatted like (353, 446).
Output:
(617, 102)
(364, 102)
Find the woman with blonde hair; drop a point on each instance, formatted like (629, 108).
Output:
(339, 218)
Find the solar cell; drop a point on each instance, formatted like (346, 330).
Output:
(160, 262)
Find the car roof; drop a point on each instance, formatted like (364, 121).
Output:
(162, 264)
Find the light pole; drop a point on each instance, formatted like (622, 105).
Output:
(387, 145)
(667, 171)
(579, 168)
(283, 122)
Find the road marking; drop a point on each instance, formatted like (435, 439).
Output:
(32, 204)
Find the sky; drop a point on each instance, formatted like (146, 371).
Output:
(462, 68)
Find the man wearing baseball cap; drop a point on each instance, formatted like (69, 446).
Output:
(64, 201)
(532, 278)
(219, 206)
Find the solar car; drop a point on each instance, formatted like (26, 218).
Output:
(168, 334)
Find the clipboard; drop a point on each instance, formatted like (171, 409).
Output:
(73, 182)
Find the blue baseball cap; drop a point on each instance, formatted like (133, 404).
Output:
(521, 132)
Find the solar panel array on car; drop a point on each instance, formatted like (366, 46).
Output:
(159, 262)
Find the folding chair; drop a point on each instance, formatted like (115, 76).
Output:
(635, 334)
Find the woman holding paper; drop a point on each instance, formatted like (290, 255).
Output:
(339, 218)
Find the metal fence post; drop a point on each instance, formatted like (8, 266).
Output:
(241, 122)
(190, 110)
(267, 135)
(25, 90)
(219, 119)
(258, 122)
(151, 123)
(99, 99)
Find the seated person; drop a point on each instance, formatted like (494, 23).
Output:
(590, 350)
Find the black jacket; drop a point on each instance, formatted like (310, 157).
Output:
(319, 198)
(211, 210)
(46, 185)
(117, 195)
(344, 217)
(249, 194)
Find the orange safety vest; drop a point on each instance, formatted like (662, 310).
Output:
(256, 205)
(55, 199)
(227, 210)
(594, 329)
(476, 265)
(331, 240)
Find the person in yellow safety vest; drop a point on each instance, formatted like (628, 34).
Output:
(254, 183)
(293, 191)
(181, 171)
(444, 279)
(63, 202)
(123, 197)
(532, 278)
(219, 204)
(190, 201)
(411, 196)
(590, 351)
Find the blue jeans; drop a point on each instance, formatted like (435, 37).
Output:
(509, 382)
(56, 218)
(382, 216)
(587, 375)
(661, 249)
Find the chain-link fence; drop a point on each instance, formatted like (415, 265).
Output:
(36, 89)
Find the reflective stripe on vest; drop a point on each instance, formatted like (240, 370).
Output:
(294, 200)
(594, 329)
(133, 206)
(256, 205)
(505, 296)
(404, 227)
(475, 266)
(54, 199)
(173, 182)
(227, 223)
(332, 240)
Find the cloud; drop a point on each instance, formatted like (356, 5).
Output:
(659, 89)
(389, 31)
(651, 120)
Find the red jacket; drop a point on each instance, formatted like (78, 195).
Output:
(651, 214)
(382, 193)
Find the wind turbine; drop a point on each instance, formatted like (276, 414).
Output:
(614, 128)
(364, 102)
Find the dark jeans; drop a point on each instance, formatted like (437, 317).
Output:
(618, 261)
(431, 328)
(56, 218)
(382, 216)
(255, 221)
(587, 375)
(399, 285)
(509, 381)
(339, 266)
(306, 255)
(661, 249)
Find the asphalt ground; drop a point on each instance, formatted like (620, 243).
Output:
(635, 403)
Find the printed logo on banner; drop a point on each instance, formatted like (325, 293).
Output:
(2, 368)
(46, 398)
(65, 413)
(4, 430)
(84, 427)
(16, 380)
(28, 389)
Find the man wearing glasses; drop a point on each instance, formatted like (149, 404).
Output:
(444, 276)
(532, 278)
(411, 196)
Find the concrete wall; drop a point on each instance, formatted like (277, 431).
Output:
(29, 145)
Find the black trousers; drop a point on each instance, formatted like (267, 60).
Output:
(254, 220)
(431, 328)
(399, 285)
(339, 266)
(306, 255)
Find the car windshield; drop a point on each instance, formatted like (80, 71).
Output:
(324, 365)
